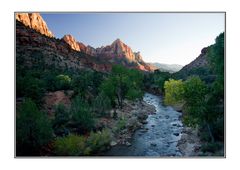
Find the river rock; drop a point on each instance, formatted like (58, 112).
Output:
(113, 143)
(142, 116)
(153, 144)
(143, 130)
(128, 144)
(167, 117)
(132, 123)
(176, 134)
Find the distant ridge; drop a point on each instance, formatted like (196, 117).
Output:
(171, 68)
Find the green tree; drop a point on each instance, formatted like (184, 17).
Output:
(174, 91)
(215, 102)
(159, 79)
(82, 116)
(33, 129)
(123, 83)
(216, 60)
(31, 87)
(195, 91)
(101, 104)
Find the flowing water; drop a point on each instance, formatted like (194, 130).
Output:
(158, 137)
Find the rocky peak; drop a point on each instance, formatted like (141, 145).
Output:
(70, 40)
(122, 50)
(34, 21)
(75, 45)
(91, 51)
(138, 56)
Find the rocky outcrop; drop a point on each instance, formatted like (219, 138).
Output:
(133, 115)
(70, 40)
(91, 51)
(34, 21)
(66, 50)
(34, 49)
(120, 53)
(189, 143)
(196, 67)
(200, 61)
(117, 53)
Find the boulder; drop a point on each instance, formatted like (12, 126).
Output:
(128, 144)
(176, 134)
(153, 144)
(113, 143)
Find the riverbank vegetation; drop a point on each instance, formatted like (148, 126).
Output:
(203, 102)
(72, 129)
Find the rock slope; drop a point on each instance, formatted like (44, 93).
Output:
(116, 53)
(34, 21)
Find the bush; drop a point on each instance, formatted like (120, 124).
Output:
(121, 124)
(60, 120)
(33, 129)
(99, 141)
(74, 145)
(82, 117)
(71, 145)
(31, 87)
(63, 82)
(211, 147)
(101, 104)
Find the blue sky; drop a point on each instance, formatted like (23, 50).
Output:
(172, 38)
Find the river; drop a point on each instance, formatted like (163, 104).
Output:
(158, 137)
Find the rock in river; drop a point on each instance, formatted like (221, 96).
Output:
(176, 134)
(113, 143)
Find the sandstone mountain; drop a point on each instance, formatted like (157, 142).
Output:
(120, 53)
(34, 49)
(74, 44)
(116, 53)
(34, 21)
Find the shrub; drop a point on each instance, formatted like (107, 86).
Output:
(99, 141)
(82, 117)
(31, 87)
(211, 147)
(74, 145)
(60, 120)
(71, 145)
(101, 104)
(63, 82)
(33, 129)
(121, 124)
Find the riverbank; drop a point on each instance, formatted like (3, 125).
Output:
(156, 137)
(131, 117)
(189, 143)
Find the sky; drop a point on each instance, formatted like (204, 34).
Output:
(171, 38)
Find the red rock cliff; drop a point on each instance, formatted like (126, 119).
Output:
(34, 21)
